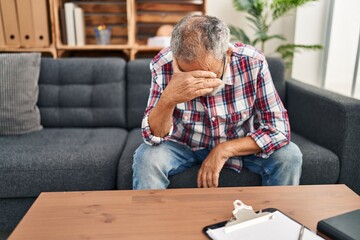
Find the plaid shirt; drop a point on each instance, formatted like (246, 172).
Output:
(248, 105)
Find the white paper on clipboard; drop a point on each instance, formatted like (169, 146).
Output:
(280, 227)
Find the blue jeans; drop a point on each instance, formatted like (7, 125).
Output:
(154, 164)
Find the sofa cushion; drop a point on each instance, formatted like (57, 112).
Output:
(80, 92)
(277, 70)
(320, 165)
(186, 179)
(12, 211)
(316, 160)
(138, 88)
(124, 179)
(59, 160)
(228, 178)
(19, 75)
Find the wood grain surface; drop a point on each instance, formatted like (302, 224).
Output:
(173, 213)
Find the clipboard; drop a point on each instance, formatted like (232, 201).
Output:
(271, 224)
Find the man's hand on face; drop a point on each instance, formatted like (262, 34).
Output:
(208, 175)
(185, 86)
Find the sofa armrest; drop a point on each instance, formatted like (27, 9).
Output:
(330, 120)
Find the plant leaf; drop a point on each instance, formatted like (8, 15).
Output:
(287, 50)
(239, 34)
(242, 5)
(280, 7)
(252, 7)
(257, 8)
(276, 36)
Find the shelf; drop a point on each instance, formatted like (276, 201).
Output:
(94, 47)
(51, 49)
(26, 49)
(132, 23)
(147, 48)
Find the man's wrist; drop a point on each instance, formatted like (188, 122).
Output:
(226, 150)
(166, 101)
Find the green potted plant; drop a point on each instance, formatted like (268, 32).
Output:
(261, 14)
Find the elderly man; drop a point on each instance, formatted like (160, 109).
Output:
(213, 103)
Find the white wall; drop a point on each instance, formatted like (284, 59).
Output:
(357, 87)
(311, 23)
(332, 67)
(338, 31)
(343, 46)
(225, 11)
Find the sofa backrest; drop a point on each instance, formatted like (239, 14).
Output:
(82, 92)
(139, 78)
(277, 69)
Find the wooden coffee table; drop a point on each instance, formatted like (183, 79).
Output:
(171, 214)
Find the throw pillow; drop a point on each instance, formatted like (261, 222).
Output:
(19, 75)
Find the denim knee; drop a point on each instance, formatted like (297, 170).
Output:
(289, 156)
(149, 157)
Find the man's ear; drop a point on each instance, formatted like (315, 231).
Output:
(175, 65)
(229, 51)
(228, 54)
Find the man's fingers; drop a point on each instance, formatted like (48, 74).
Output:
(209, 180)
(199, 177)
(200, 83)
(175, 66)
(203, 74)
(202, 92)
(204, 180)
(215, 179)
(211, 82)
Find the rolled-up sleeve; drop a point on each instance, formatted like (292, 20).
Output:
(154, 96)
(272, 129)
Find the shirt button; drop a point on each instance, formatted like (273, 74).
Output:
(186, 118)
(213, 119)
(243, 115)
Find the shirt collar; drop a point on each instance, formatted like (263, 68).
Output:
(227, 77)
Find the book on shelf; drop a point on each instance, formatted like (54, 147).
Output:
(62, 21)
(79, 26)
(75, 24)
(70, 23)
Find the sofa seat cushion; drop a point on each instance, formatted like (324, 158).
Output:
(56, 159)
(124, 179)
(228, 178)
(186, 179)
(320, 165)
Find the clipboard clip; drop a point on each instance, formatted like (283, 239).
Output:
(244, 216)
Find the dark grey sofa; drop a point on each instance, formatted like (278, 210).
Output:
(91, 110)
(325, 125)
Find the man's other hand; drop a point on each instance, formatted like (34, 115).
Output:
(185, 86)
(208, 175)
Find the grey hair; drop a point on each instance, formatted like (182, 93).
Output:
(195, 35)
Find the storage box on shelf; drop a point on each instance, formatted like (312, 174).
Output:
(33, 23)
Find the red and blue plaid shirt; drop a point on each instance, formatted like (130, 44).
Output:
(248, 105)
